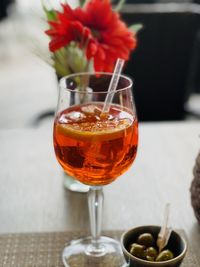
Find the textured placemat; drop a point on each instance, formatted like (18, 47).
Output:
(44, 249)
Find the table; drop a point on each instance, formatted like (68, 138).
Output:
(33, 199)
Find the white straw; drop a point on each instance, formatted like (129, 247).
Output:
(113, 85)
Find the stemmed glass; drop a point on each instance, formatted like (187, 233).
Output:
(95, 147)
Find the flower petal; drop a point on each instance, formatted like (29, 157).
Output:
(58, 42)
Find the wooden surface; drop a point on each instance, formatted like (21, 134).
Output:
(33, 199)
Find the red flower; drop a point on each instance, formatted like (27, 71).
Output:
(97, 29)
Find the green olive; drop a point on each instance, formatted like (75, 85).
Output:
(137, 251)
(146, 239)
(165, 255)
(149, 258)
(151, 252)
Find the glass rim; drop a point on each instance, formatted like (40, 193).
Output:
(63, 85)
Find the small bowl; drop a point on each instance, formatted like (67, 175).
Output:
(176, 244)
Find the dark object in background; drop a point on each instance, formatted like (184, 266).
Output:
(194, 77)
(195, 189)
(159, 1)
(140, 2)
(161, 63)
(4, 4)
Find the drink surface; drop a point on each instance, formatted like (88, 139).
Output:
(95, 148)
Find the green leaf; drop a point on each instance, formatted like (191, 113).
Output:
(76, 59)
(50, 13)
(69, 59)
(60, 70)
(82, 3)
(136, 27)
(119, 5)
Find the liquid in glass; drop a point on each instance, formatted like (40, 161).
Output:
(95, 148)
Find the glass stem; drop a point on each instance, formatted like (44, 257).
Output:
(95, 204)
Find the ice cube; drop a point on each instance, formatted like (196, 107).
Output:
(91, 109)
(72, 116)
(75, 115)
(63, 118)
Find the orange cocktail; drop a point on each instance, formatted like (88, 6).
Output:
(93, 147)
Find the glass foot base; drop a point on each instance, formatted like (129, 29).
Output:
(81, 253)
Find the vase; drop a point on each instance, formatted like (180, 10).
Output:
(73, 185)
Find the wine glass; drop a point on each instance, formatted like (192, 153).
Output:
(95, 147)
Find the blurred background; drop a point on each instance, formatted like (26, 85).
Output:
(165, 65)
